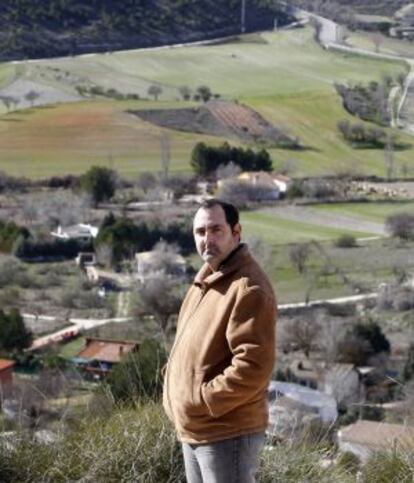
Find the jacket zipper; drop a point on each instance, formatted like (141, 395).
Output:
(177, 340)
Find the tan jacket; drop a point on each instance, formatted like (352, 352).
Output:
(217, 375)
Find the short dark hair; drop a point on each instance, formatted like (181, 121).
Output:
(230, 211)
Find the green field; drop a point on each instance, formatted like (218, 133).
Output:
(286, 76)
(275, 230)
(368, 211)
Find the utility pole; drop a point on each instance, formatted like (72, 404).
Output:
(243, 17)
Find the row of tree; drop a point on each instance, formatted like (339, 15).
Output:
(205, 160)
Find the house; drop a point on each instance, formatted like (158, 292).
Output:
(366, 437)
(291, 406)
(80, 232)
(154, 263)
(341, 381)
(274, 186)
(99, 355)
(6, 372)
(404, 22)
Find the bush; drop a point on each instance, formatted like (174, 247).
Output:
(138, 376)
(346, 241)
(128, 445)
(400, 225)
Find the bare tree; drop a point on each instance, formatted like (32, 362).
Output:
(61, 207)
(105, 254)
(159, 297)
(165, 154)
(389, 156)
(299, 254)
(261, 251)
(302, 334)
(377, 40)
(229, 170)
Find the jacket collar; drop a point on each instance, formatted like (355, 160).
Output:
(239, 257)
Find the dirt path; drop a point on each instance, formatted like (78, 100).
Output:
(305, 214)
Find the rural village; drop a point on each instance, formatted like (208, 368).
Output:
(307, 126)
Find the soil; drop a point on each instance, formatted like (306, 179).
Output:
(218, 118)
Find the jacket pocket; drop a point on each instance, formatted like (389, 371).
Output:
(197, 404)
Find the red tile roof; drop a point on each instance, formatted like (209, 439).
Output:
(6, 364)
(107, 350)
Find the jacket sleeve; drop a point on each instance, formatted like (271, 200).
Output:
(251, 338)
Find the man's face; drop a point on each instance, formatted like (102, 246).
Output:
(214, 238)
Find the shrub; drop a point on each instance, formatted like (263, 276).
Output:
(346, 241)
(138, 376)
(400, 225)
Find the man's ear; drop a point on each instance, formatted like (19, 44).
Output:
(237, 230)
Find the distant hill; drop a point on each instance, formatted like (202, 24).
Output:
(50, 28)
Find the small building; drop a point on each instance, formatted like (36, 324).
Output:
(404, 22)
(6, 372)
(81, 232)
(99, 355)
(341, 381)
(154, 263)
(364, 438)
(272, 186)
(315, 402)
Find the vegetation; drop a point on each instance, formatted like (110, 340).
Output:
(206, 159)
(362, 341)
(32, 29)
(137, 378)
(359, 135)
(10, 234)
(400, 225)
(99, 183)
(367, 102)
(13, 334)
(125, 238)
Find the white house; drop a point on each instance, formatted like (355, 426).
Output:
(81, 232)
(290, 405)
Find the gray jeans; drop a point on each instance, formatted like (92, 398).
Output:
(232, 460)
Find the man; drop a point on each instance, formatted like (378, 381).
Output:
(216, 380)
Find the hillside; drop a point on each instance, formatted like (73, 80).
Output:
(367, 7)
(284, 76)
(66, 27)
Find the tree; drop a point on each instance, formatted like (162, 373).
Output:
(138, 375)
(31, 96)
(159, 298)
(13, 333)
(165, 154)
(204, 92)
(185, 92)
(389, 157)
(362, 341)
(408, 371)
(155, 91)
(99, 182)
(299, 254)
(302, 334)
